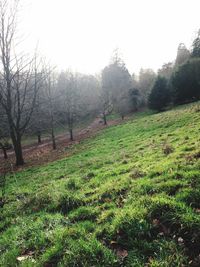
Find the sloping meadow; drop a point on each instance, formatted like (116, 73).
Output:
(128, 197)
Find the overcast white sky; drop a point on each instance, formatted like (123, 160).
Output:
(82, 34)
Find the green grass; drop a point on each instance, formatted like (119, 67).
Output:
(128, 197)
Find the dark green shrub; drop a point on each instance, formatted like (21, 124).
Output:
(159, 97)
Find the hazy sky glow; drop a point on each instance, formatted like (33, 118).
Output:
(82, 34)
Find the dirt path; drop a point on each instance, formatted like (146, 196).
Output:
(39, 154)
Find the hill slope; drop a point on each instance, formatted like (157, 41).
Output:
(128, 197)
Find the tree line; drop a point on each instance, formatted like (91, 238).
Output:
(35, 98)
(178, 82)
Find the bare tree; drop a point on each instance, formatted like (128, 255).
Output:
(4, 138)
(89, 87)
(39, 122)
(72, 99)
(49, 88)
(18, 79)
(106, 105)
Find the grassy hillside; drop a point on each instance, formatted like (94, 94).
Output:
(128, 197)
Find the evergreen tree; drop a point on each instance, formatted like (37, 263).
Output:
(135, 99)
(117, 81)
(196, 46)
(159, 97)
(183, 54)
(186, 82)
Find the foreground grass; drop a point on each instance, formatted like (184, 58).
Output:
(128, 197)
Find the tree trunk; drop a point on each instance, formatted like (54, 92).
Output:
(104, 119)
(39, 138)
(71, 135)
(4, 152)
(122, 117)
(53, 139)
(16, 141)
(18, 151)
